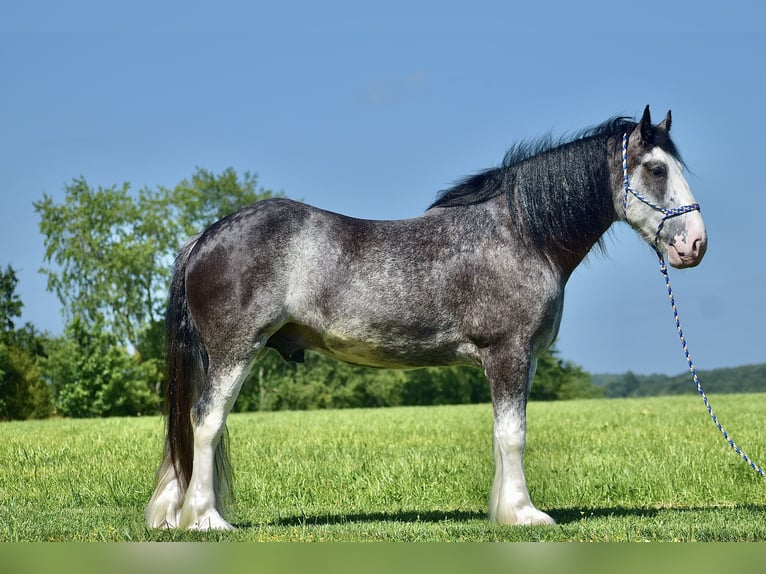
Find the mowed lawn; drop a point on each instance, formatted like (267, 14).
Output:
(606, 470)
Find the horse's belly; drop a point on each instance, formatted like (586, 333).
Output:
(392, 347)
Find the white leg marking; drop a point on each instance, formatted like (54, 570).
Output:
(509, 501)
(199, 510)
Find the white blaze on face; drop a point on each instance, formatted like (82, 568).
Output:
(687, 243)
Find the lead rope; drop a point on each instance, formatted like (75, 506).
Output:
(667, 214)
(664, 271)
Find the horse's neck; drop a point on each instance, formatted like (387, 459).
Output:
(563, 256)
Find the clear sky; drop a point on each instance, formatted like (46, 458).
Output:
(371, 108)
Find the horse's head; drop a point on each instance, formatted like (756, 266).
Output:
(654, 197)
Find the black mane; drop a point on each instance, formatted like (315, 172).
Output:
(489, 183)
(554, 188)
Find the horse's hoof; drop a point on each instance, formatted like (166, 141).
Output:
(210, 521)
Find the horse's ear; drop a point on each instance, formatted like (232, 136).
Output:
(665, 124)
(642, 134)
(645, 126)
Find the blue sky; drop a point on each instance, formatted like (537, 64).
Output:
(371, 108)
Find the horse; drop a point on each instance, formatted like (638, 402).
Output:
(478, 279)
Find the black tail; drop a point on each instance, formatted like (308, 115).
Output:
(186, 363)
(186, 370)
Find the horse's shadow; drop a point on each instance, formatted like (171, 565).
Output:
(560, 515)
(408, 516)
(575, 515)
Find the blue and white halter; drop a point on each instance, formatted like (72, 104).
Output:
(668, 212)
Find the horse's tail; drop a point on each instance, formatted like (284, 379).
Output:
(185, 370)
(185, 363)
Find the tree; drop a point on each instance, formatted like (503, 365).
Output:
(23, 394)
(445, 385)
(109, 255)
(10, 303)
(557, 379)
(197, 202)
(110, 251)
(322, 382)
(92, 376)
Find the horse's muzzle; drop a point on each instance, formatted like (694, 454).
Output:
(687, 251)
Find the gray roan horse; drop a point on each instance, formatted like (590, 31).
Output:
(478, 279)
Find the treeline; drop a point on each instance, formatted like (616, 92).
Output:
(321, 382)
(108, 258)
(744, 379)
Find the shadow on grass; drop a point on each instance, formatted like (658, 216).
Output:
(414, 516)
(560, 515)
(571, 515)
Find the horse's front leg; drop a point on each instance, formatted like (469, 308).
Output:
(509, 501)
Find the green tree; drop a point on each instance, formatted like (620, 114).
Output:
(92, 376)
(206, 197)
(557, 379)
(23, 394)
(445, 385)
(10, 303)
(109, 254)
(110, 251)
(322, 382)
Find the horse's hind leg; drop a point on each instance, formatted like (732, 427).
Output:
(509, 501)
(209, 485)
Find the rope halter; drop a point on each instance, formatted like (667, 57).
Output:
(667, 212)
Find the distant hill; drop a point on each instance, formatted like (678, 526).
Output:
(745, 379)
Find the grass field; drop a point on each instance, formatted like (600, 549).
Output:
(606, 470)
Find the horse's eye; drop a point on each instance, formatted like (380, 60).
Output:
(657, 169)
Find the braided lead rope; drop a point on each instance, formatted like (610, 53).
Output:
(667, 214)
(664, 271)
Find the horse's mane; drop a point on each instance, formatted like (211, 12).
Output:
(489, 183)
(553, 187)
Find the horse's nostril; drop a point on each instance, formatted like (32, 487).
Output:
(699, 246)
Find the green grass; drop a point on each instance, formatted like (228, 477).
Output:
(606, 470)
